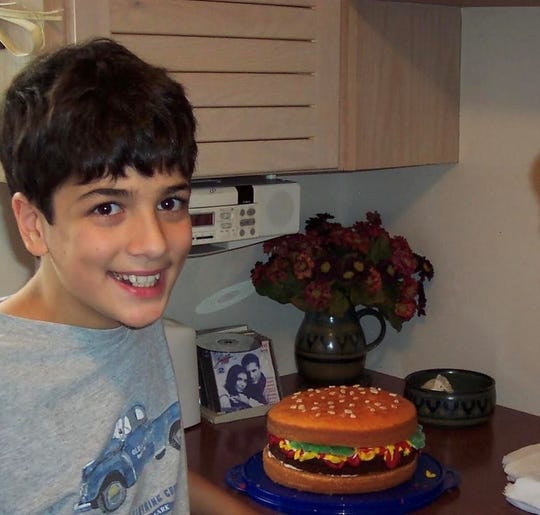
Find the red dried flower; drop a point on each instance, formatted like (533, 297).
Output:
(405, 310)
(303, 266)
(374, 281)
(257, 273)
(408, 289)
(317, 295)
(402, 256)
(331, 268)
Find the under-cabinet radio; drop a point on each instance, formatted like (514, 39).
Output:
(243, 209)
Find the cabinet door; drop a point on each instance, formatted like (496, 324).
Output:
(262, 76)
(399, 84)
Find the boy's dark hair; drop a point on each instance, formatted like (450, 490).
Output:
(87, 111)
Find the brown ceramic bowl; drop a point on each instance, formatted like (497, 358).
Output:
(472, 401)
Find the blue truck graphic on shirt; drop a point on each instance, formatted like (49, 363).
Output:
(135, 441)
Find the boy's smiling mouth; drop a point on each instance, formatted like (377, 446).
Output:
(138, 280)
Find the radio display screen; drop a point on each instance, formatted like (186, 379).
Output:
(202, 219)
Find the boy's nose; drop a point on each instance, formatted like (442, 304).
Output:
(147, 237)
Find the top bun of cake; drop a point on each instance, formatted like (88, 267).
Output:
(343, 415)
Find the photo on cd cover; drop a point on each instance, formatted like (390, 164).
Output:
(244, 379)
(241, 379)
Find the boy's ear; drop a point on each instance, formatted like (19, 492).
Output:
(30, 223)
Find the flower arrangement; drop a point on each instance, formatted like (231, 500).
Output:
(332, 268)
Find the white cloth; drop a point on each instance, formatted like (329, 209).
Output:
(525, 494)
(522, 467)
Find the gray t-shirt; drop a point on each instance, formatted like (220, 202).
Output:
(89, 421)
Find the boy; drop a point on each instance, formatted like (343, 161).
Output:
(98, 149)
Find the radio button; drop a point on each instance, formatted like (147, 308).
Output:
(251, 211)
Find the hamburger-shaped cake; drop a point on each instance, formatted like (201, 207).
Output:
(342, 440)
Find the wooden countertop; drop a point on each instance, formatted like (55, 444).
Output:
(474, 452)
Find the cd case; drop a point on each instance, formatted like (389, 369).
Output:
(237, 374)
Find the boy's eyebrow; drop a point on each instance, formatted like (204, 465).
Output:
(105, 192)
(182, 186)
(122, 192)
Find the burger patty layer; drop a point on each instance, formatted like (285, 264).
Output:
(365, 461)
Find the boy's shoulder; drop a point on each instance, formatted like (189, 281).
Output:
(29, 332)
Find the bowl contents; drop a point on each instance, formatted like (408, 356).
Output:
(342, 440)
(439, 384)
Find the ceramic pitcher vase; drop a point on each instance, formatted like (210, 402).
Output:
(331, 349)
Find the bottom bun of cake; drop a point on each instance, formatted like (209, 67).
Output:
(291, 477)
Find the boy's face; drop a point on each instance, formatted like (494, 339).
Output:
(115, 249)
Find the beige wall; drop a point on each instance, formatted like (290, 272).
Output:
(479, 222)
(16, 264)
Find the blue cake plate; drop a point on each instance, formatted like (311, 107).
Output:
(430, 480)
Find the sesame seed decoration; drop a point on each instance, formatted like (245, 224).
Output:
(343, 402)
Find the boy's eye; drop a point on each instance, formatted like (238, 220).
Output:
(171, 204)
(107, 209)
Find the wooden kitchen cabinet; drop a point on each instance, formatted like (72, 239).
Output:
(263, 76)
(400, 81)
(284, 86)
(287, 86)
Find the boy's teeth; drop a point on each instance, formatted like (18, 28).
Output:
(139, 281)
